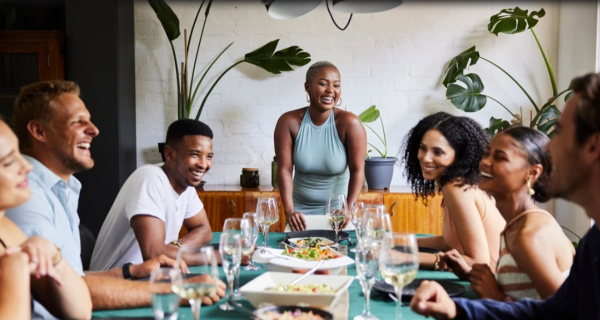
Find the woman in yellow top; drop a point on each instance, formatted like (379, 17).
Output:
(442, 154)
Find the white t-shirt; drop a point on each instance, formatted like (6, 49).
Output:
(146, 192)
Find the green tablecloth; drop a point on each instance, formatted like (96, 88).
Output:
(381, 306)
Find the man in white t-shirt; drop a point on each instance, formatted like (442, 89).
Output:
(155, 201)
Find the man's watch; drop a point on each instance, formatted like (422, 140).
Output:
(126, 271)
(176, 243)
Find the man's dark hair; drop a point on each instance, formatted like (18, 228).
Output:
(587, 115)
(186, 127)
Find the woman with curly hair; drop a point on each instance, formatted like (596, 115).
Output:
(535, 256)
(442, 154)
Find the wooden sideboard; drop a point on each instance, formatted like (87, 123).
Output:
(408, 214)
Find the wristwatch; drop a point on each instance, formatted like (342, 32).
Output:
(126, 272)
(176, 243)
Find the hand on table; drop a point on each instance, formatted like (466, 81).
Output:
(432, 300)
(41, 253)
(484, 283)
(144, 270)
(296, 221)
(209, 301)
(455, 262)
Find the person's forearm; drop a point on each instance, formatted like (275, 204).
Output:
(285, 190)
(436, 242)
(489, 309)
(112, 273)
(14, 291)
(198, 236)
(426, 260)
(112, 293)
(355, 184)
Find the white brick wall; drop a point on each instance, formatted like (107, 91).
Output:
(393, 59)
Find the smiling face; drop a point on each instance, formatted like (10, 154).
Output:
(192, 158)
(71, 132)
(14, 186)
(325, 88)
(435, 155)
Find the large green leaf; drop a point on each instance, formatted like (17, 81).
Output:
(167, 18)
(469, 97)
(548, 120)
(515, 20)
(457, 65)
(276, 62)
(496, 125)
(369, 115)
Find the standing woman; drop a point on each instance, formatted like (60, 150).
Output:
(324, 145)
(442, 154)
(31, 266)
(535, 256)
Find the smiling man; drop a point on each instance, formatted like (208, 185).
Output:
(155, 201)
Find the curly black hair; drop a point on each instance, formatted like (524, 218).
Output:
(466, 137)
(533, 143)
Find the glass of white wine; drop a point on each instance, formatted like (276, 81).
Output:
(268, 214)
(165, 302)
(399, 262)
(376, 223)
(205, 259)
(230, 248)
(336, 210)
(243, 227)
(253, 217)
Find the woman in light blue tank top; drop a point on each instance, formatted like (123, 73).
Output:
(322, 145)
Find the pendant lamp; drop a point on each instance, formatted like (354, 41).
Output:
(289, 9)
(364, 6)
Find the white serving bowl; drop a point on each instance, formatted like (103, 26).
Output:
(275, 261)
(255, 292)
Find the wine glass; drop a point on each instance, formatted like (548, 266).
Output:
(230, 247)
(266, 210)
(253, 217)
(336, 210)
(205, 261)
(399, 262)
(165, 302)
(242, 227)
(356, 213)
(367, 267)
(376, 223)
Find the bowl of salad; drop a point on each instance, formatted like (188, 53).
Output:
(300, 260)
(314, 290)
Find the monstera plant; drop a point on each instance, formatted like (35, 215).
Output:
(465, 91)
(264, 57)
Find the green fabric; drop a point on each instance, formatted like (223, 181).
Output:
(381, 306)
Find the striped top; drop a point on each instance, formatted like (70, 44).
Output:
(513, 281)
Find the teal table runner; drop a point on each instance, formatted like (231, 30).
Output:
(381, 305)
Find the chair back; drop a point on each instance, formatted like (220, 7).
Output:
(88, 241)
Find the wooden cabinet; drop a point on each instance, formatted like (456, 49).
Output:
(408, 214)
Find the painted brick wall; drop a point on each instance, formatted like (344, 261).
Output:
(392, 59)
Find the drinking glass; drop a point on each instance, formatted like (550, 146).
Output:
(367, 267)
(399, 262)
(205, 261)
(165, 302)
(243, 227)
(266, 210)
(230, 247)
(356, 213)
(336, 210)
(376, 224)
(253, 217)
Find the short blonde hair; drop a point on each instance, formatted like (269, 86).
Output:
(34, 103)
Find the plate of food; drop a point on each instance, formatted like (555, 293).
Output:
(323, 234)
(311, 242)
(300, 260)
(452, 288)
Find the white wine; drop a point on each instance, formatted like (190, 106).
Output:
(195, 291)
(267, 221)
(247, 251)
(375, 233)
(398, 276)
(336, 218)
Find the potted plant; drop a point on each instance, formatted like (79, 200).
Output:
(465, 90)
(378, 170)
(264, 57)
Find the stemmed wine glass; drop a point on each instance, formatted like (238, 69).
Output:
(367, 267)
(165, 302)
(242, 227)
(230, 248)
(266, 210)
(336, 210)
(356, 213)
(399, 262)
(205, 261)
(253, 217)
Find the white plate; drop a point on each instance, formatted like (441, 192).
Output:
(281, 263)
(255, 292)
(324, 241)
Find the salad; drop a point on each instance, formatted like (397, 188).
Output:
(288, 315)
(309, 242)
(310, 254)
(307, 288)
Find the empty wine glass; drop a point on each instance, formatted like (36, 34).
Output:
(165, 302)
(367, 267)
(243, 227)
(253, 217)
(336, 211)
(205, 262)
(266, 210)
(399, 262)
(230, 248)
(356, 213)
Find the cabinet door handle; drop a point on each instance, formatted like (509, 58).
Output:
(393, 209)
(234, 206)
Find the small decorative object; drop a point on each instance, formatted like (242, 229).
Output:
(274, 174)
(249, 178)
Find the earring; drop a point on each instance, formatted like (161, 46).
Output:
(339, 104)
(530, 191)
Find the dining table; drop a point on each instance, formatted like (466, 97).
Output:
(382, 306)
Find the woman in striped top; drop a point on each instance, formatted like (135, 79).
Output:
(535, 255)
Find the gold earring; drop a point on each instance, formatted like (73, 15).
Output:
(339, 104)
(307, 97)
(530, 191)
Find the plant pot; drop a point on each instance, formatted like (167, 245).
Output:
(379, 172)
(161, 149)
(201, 185)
